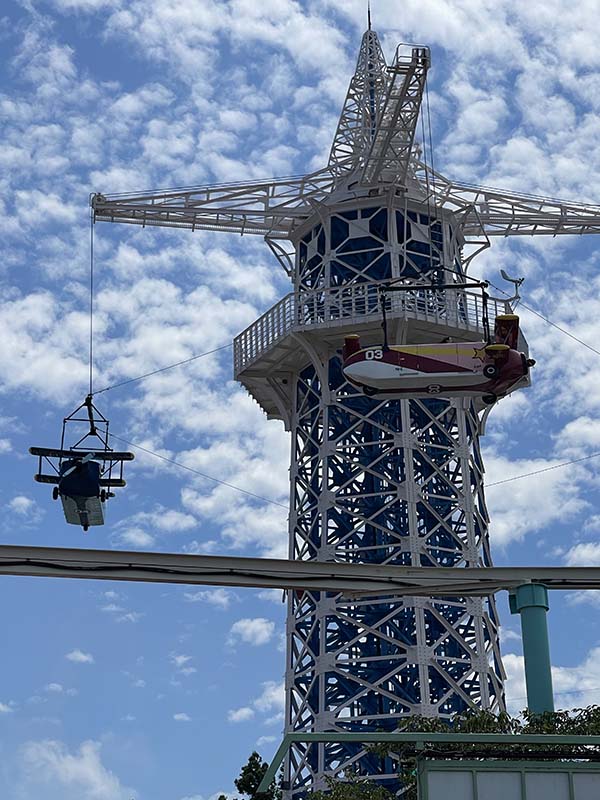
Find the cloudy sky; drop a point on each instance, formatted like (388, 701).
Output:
(112, 692)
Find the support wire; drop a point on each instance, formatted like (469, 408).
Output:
(197, 472)
(549, 321)
(91, 302)
(163, 369)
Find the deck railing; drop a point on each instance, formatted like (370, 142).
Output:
(357, 302)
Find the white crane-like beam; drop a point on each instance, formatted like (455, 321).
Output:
(391, 147)
(488, 211)
(276, 208)
(372, 152)
(271, 208)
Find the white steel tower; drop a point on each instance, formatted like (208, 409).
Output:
(395, 482)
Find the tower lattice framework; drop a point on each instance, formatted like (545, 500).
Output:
(396, 482)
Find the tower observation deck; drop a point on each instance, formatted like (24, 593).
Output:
(372, 480)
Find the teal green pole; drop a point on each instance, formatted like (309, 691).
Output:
(531, 602)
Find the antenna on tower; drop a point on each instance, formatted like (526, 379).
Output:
(369, 14)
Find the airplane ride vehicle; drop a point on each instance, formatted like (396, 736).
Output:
(488, 368)
(83, 474)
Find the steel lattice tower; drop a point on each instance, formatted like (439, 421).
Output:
(395, 482)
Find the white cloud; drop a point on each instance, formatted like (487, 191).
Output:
(574, 687)
(262, 740)
(21, 505)
(584, 554)
(272, 595)
(181, 663)
(221, 598)
(28, 511)
(112, 608)
(130, 616)
(507, 635)
(119, 613)
(590, 597)
(5, 708)
(163, 519)
(84, 5)
(256, 631)
(79, 657)
(58, 688)
(529, 504)
(182, 717)
(179, 660)
(240, 714)
(592, 524)
(134, 537)
(270, 701)
(272, 697)
(49, 766)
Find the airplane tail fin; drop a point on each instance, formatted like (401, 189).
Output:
(506, 330)
(351, 346)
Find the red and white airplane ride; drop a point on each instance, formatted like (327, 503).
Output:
(488, 370)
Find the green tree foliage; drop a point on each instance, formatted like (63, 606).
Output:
(577, 722)
(250, 777)
(352, 788)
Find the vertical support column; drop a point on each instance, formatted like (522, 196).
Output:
(531, 602)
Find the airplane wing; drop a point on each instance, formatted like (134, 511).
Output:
(118, 482)
(99, 455)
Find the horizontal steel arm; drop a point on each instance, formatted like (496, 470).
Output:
(368, 579)
(483, 211)
(271, 208)
(276, 208)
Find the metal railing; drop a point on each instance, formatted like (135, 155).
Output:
(357, 302)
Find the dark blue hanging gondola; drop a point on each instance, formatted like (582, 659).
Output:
(83, 473)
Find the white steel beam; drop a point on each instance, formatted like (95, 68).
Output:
(485, 211)
(371, 579)
(277, 208)
(362, 109)
(391, 147)
(271, 208)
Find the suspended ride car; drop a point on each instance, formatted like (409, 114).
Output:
(488, 368)
(83, 474)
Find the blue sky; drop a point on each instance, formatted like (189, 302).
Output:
(119, 691)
